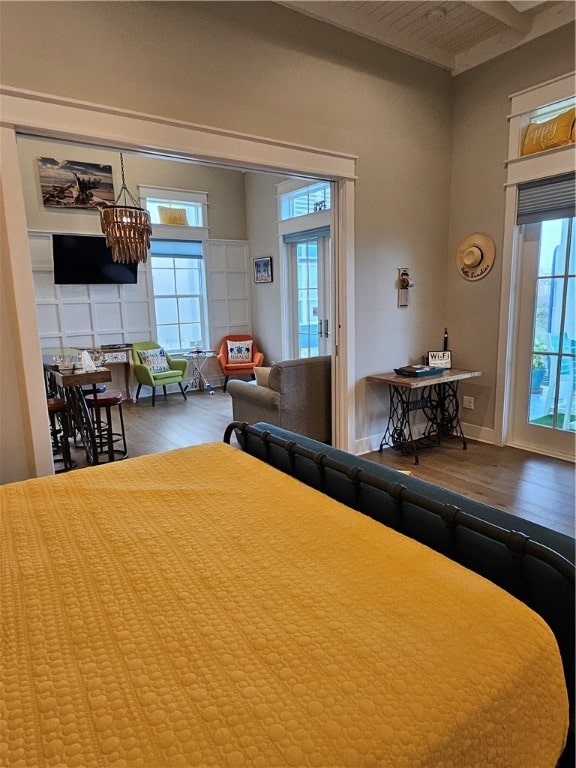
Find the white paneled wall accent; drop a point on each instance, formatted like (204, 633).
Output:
(87, 316)
(227, 281)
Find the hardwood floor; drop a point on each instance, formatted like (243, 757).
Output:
(535, 487)
(173, 422)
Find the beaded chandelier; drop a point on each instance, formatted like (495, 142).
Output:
(127, 227)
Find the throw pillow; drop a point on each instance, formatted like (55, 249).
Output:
(556, 132)
(240, 351)
(173, 215)
(154, 359)
(262, 376)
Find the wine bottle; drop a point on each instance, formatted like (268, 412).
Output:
(445, 339)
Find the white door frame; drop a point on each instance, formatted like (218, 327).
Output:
(521, 169)
(70, 120)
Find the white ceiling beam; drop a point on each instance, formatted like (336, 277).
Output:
(504, 13)
(552, 18)
(341, 17)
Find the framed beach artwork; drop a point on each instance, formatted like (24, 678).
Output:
(74, 184)
(263, 270)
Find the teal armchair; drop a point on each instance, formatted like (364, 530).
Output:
(153, 367)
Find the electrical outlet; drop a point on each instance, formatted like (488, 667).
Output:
(468, 402)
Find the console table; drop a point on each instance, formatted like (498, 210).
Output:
(119, 354)
(436, 396)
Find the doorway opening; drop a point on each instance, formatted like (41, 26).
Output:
(60, 120)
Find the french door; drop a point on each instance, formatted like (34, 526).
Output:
(544, 410)
(309, 286)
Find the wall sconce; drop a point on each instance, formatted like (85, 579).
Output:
(404, 283)
(127, 227)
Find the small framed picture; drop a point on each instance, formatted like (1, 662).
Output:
(263, 270)
(440, 359)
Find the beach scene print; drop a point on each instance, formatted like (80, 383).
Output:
(74, 184)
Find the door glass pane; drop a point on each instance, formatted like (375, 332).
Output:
(551, 260)
(309, 296)
(307, 293)
(552, 401)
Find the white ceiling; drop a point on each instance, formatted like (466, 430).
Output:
(452, 34)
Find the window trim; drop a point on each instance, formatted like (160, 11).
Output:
(203, 296)
(288, 188)
(520, 169)
(172, 231)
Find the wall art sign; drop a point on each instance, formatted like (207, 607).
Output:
(74, 184)
(263, 270)
(441, 359)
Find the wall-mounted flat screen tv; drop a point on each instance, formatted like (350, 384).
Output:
(85, 259)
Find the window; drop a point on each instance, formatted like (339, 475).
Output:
(310, 199)
(179, 294)
(179, 227)
(193, 213)
(185, 212)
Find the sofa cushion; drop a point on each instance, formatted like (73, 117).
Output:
(556, 132)
(240, 351)
(172, 215)
(154, 359)
(262, 376)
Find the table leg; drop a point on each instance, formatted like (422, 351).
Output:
(398, 433)
(448, 409)
(197, 377)
(129, 377)
(82, 422)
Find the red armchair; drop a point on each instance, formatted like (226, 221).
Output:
(238, 356)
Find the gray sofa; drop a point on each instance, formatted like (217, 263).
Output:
(298, 398)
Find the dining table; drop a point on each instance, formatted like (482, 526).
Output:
(71, 382)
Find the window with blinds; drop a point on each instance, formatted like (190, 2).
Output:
(179, 294)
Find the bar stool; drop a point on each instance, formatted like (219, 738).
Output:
(88, 390)
(103, 423)
(60, 433)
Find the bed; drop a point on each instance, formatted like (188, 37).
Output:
(212, 606)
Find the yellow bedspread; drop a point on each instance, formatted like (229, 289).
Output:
(199, 608)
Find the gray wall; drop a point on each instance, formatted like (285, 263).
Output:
(262, 225)
(225, 188)
(262, 69)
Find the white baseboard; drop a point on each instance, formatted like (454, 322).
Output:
(552, 454)
(471, 431)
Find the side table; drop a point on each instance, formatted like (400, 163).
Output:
(197, 359)
(436, 396)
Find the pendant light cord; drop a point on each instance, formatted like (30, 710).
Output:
(124, 189)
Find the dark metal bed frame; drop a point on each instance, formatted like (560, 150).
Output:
(499, 546)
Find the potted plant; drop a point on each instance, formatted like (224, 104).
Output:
(538, 372)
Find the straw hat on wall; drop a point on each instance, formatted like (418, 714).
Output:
(475, 256)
